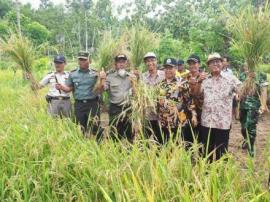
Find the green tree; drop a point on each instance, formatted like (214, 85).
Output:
(37, 32)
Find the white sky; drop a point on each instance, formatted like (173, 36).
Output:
(35, 3)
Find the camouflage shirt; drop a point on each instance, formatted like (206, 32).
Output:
(253, 101)
(175, 103)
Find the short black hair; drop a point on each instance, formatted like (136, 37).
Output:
(227, 58)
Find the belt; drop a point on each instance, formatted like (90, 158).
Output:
(60, 98)
(87, 100)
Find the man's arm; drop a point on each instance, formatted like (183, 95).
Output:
(264, 107)
(67, 87)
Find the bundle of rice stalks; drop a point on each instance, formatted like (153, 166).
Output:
(251, 38)
(141, 41)
(21, 50)
(107, 49)
(143, 101)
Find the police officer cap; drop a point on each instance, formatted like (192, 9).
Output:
(59, 59)
(169, 62)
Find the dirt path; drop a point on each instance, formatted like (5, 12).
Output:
(262, 140)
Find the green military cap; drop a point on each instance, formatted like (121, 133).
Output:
(83, 55)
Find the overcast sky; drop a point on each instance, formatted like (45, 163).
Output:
(35, 3)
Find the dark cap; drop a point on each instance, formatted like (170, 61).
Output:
(120, 57)
(169, 62)
(194, 58)
(59, 59)
(180, 62)
(83, 55)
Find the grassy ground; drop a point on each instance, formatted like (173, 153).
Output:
(42, 159)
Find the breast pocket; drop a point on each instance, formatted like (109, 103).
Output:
(76, 83)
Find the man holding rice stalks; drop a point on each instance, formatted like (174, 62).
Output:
(252, 104)
(175, 106)
(119, 83)
(81, 82)
(216, 120)
(58, 101)
(152, 78)
(195, 78)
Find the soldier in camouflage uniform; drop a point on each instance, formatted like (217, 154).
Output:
(250, 108)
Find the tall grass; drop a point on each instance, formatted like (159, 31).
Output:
(45, 159)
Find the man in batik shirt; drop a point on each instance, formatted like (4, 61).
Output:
(175, 106)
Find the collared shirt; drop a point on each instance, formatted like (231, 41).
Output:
(183, 74)
(175, 103)
(52, 79)
(218, 97)
(253, 101)
(83, 83)
(227, 71)
(151, 82)
(119, 88)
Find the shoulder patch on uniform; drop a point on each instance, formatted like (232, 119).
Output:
(73, 70)
(111, 71)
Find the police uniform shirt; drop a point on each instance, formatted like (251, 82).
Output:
(52, 79)
(83, 83)
(119, 87)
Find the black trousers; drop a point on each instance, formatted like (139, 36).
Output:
(121, 126)
(153, 128)
(87, 114)
(214, 140)
(167, 134)
(190, 135)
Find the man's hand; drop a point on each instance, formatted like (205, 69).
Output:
(58, 86)
(194, 121)
(202, 76)
(136, 72)
(264, 109)
(252, 74)
(102, 75)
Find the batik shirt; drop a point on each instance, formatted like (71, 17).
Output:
(175, 103)
(218, 95)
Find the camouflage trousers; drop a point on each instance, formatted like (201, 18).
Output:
(249, 120)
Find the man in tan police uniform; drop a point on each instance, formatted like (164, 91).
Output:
(58, 101)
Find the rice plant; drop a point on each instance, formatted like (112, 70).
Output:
(21, 50)
(251, 38)
(141, 41)
(46, 159)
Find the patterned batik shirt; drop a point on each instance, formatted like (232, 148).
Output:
(175, 103)
(217, 104)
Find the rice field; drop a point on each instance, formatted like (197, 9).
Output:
(44, 159)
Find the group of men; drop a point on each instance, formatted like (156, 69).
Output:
(192, 105)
